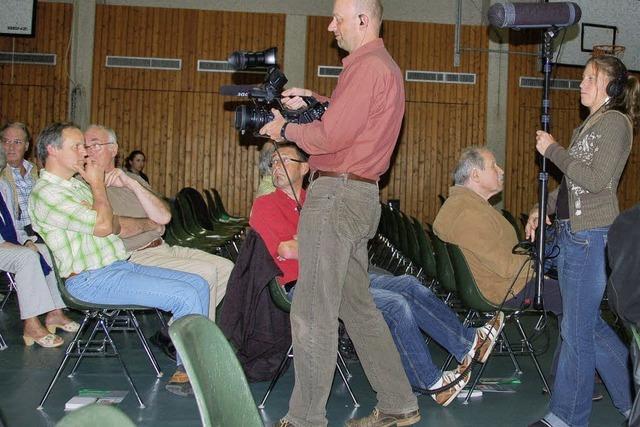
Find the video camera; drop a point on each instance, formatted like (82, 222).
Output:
(267, 95)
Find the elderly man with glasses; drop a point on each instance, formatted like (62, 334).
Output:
(20, 173)
(145, 213)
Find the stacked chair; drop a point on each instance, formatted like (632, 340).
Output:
(199, 225)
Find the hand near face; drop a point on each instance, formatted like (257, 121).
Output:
(92, 173)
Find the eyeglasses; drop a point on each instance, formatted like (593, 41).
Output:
(12, 141)
(276, 161)
(97, 147)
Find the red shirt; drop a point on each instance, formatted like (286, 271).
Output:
(275, 218)
(360, 128)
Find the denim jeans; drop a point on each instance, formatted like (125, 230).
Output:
(588, 343)
(124, 282)
(408, 308)
(338, 219)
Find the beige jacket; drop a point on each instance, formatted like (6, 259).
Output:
(486, 239)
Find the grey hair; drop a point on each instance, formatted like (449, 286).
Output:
(52, 136)
(113, 139)
(16, 125)
(470, 159)
(264, 161)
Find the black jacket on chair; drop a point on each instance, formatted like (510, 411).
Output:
(259, 330)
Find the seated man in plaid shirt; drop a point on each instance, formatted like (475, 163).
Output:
(77, 223)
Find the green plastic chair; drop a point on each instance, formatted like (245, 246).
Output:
(281, 301)
(96, 416)
(103, 316)
(222, 211)
(444, 269)
(474, 300)
(219, 384)
(177, 232)
(427, 257)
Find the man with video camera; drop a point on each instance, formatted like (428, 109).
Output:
(350, 148)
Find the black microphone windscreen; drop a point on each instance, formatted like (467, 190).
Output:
(534, 15)
(236, 90)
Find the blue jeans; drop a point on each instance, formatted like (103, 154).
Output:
(588, 343)
(127, 283)
(408, 307)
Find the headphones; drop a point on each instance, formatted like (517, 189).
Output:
(616, 86)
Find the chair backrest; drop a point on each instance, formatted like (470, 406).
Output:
(466, 285)
(427, 257)
(219, 384)
(446, 277)
(278, 296)
(214, 211)
(220, 205)
(96, 416)
(198, 206)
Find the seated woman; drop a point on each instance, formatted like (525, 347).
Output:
(35, 280)
(134, 163)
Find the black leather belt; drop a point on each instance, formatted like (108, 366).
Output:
(344, 175)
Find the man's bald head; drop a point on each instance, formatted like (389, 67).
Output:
(373, 8)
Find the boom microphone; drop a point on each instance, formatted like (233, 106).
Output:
(534, 15)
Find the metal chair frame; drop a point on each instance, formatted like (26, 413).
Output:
(281, 302)
(11, 290)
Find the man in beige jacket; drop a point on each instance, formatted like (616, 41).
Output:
(485, 237)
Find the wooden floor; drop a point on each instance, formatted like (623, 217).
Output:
(25, 373)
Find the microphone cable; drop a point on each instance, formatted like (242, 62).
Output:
(284, 167)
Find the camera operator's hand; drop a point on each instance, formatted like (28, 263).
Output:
(291, 98)
(272, 129)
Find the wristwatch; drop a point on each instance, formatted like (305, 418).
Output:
(283, 131)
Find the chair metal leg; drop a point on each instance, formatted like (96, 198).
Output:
(67, 354)
(84, 349)
(531, 351)
(12, 288)
(144, 343)
(124, 367)
(277, 376)
(3, 343)
(163, 322)
(346, 384)
(344, 365)
(516, 365)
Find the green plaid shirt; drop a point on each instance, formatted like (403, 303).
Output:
(61, 213)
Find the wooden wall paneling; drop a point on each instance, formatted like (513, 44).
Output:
(436, 116)
(523, 119)
(177, 117)
(38, 94)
